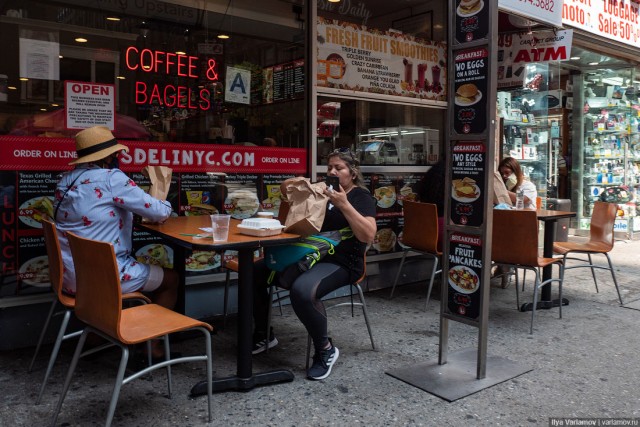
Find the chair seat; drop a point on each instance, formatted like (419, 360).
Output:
(543, 262)
(596, 247)
(145, 322)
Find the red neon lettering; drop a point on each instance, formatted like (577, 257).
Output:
(155, 95)
(141, 93)
(129, 50)
(147, 67)
(205, 103)
(182, 96)
(170, 98)
(182, 65)
(170, 61)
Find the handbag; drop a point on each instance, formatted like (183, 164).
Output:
(295, 258)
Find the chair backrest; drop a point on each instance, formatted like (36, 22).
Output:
(98, 293)
(603, 220)
(420, 226)
(53, 253)
(515, 237)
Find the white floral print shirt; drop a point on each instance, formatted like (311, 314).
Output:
(99, 205)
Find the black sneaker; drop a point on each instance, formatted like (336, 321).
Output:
(323, 361)
(261, 343)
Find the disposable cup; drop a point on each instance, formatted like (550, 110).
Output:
(220, 225)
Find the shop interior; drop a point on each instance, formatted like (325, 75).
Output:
(575, 131)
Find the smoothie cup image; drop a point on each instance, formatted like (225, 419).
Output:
(421, 70)
(435, 74)
(408, 70)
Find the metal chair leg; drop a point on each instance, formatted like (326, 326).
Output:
(364, 312)
(395, 282)
(535, 301)
(72, 368)
(593, 272)
(56, 348)
(118, 385)
(613, 276)
(43, 333)
(433, 275)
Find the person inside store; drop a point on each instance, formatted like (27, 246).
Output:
(431, 190)
(352, 205)
(515, 181)
(96, 200)
(269, 142)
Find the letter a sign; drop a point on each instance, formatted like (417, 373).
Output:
(237, 85)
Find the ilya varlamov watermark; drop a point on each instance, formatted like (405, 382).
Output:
(561, 421)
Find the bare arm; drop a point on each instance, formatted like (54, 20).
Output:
(364, 227)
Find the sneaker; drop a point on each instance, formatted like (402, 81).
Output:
(323, 361)
(261, 343)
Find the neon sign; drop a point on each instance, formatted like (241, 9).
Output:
(160, 62)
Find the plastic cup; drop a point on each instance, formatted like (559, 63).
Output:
(220, 225)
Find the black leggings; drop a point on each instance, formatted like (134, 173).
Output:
(306, 293)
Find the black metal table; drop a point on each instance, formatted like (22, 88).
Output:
(550, 219)
(180, 233)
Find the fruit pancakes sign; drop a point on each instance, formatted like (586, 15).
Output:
(464, 275)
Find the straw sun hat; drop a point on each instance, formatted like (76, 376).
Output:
(95, 143)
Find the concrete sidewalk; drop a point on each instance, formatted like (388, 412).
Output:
(584, 365)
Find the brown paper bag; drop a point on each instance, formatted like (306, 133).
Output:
(160, 177)
(307, 203)
(500, 193)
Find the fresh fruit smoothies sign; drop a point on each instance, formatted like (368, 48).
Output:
(353, 57)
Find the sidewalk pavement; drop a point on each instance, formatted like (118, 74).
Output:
(584, 365)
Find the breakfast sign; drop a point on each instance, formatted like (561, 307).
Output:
(472, 20)
(463, 276)
(468, 164)
(471, 70)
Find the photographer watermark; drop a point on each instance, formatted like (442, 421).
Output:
(563, 421)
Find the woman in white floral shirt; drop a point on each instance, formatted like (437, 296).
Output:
(96, 200)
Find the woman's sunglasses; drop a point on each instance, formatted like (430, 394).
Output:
(345, 150)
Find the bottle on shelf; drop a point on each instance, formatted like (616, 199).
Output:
(520, 199)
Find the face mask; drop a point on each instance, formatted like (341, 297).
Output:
(512, 181)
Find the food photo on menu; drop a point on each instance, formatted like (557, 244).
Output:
(469, 7)
(467, 94)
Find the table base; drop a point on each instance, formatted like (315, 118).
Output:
(544, 305)
(243, 384)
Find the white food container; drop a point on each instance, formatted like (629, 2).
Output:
(260, 227)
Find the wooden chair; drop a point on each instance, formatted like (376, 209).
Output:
(351, 303)
(99, 306)
(68, 302)
(515, 244)
(420, 235)
(600, 242)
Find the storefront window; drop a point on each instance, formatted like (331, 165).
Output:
(381, 81)
(227, 115)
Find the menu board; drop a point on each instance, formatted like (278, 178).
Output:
(468, 163)
(464, 275)
(283, 82)
(271, 197)
(472, 20)
(470, 84)
(35, 198)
